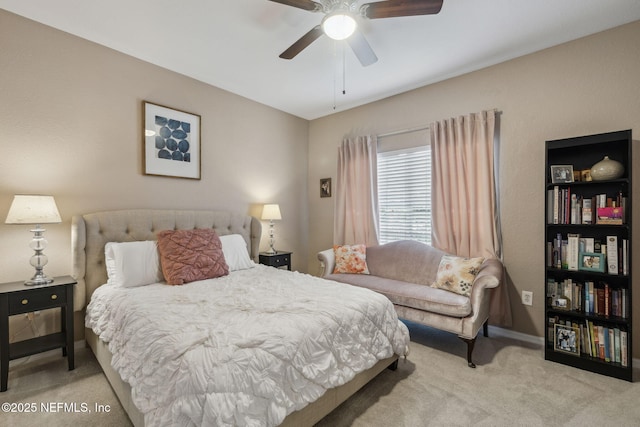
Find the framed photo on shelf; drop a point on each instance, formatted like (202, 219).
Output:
(566, 339)
(560, 303)
(561, 174)
(171, 142)
(590, 261)
(325, 187)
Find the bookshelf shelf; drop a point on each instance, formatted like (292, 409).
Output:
(588, 284)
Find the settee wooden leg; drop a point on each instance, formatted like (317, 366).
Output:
(393, 366)
(470, 344)
(485, 328)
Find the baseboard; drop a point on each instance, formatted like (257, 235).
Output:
(56, 351)
(497, 331)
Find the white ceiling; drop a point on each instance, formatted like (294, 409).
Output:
(234, 44)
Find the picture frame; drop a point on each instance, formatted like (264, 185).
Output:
(171, 142)
(325, 187)
(591, 261)
(561, 303)
(566, 339)
(561, 174)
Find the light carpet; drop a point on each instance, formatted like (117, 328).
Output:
(512, 386)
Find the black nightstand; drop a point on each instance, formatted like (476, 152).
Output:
(16, 298)
(279, 259)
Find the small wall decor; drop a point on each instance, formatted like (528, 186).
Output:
(561, 173)
(171, 142)
(325, 187)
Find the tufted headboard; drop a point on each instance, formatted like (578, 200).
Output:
(90, 232)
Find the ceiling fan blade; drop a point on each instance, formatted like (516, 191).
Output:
(301, 4)
(362, 49)
(396, 8)
(302, 43)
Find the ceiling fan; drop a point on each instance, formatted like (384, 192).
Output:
(339, 22)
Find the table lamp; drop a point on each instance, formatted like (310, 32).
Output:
(33, 209)
(271, 212)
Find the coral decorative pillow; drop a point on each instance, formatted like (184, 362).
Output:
(456, 274)
(351, 259)
(190, 255)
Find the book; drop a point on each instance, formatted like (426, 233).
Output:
(616, 344)
(607, 347)
(556, 204)
(612, 254)
(601, 341)
(594, 339)
(625, 257)
(624, 361)
(587, 341)
(612, 347)
(587, 214)
(589, 244)
(573, 243)
(575, 211)
(609, 215)
(550, 206)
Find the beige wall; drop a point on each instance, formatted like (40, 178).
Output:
(70, 126)
(588, 86)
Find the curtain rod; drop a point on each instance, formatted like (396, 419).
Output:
(402, 131)
(414, 129)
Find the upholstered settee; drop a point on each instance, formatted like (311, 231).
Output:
(404, 272)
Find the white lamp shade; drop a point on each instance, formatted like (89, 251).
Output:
(271, 212)
(339, 25)
(31, 209)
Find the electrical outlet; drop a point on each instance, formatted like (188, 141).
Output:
(527, 297)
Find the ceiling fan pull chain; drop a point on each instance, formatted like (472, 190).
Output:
(335, 72)
(344, 71)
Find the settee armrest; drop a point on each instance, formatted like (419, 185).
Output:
(327, 262)
(490, 276)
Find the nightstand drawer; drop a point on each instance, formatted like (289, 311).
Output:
(282, 260)
(24, 302)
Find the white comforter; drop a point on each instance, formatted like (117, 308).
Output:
(245, 349)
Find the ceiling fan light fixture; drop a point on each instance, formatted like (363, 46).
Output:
(339, 25)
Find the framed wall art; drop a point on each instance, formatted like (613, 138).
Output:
(325, 187)
(171, 142)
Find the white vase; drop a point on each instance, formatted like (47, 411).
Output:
(606, 169)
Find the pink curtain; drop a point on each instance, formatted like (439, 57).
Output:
(465, 214)
(356, 208)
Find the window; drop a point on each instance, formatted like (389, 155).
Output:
(404, 194)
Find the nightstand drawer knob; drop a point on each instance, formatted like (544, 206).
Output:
(25, 301)
(54, 296)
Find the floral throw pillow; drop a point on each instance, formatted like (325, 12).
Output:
(350, 259)
(456, 274)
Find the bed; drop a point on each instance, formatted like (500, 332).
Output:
(264, 350)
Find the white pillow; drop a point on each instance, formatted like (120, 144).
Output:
(234, 249)
(132, 264)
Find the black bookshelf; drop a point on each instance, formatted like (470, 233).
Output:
(588, 307)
